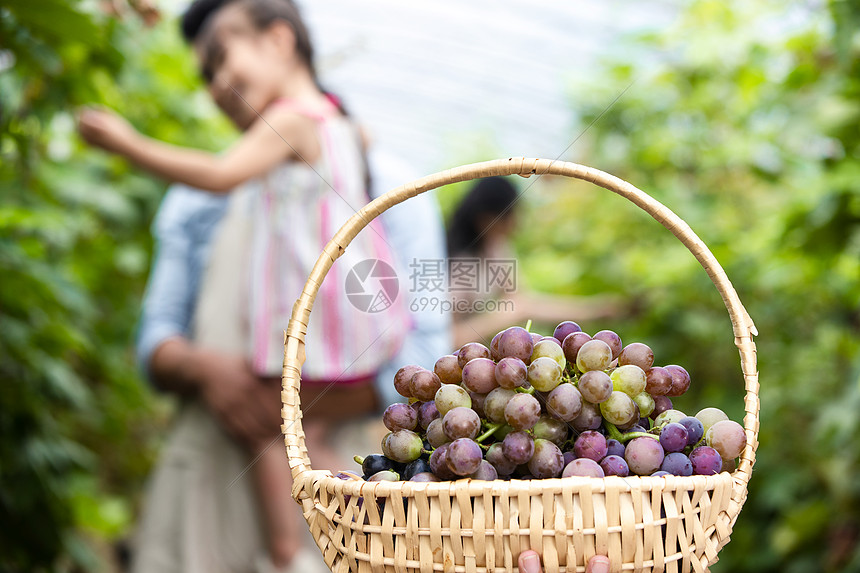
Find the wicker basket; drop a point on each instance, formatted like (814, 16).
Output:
(641, 523)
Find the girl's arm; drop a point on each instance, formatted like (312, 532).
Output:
(260, 149)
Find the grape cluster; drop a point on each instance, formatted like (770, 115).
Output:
(534, 407)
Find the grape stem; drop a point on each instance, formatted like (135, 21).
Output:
(528, 325)
(492, 430)
(358, 459)
(615, 434)
(529, 390)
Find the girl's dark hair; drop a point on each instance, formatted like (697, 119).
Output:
(491, 196)
(262, 14)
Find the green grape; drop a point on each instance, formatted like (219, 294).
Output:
(494, 405)
(646, 404)
(549, 348)
(436, 433)
(618, 409)
(629, 379)
(402, 446)
(669, 416)
(710, 416)
(593, 355)
(548, 428)
(450, 396)
(544, 374)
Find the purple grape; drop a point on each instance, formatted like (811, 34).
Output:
(568, 457)
(448, 370)
(588, 419)
(511, 373)
(494, 346)
(470, 351)
(548, 428)
(677, 464)
(590, 445)
(485, 472)
(680, 380)
(348, 475)
(516, 342)
(478, 401)
(638, 354)
(403, 378)
(661, 404)
(518, 447)
(706, 461)
(673, 437)
(464, 456)
(643, 456)
(695, 429)
(424, 477)
(728, 438)
(522, 412)
(614, 448)
(424, 385)
(461, 423)
(496, 456)
(596, 386)
(658, 381)
(547, 460)
(614, 466)
(564, 329)
(612, 339)
(439, 463)
(660, 473)
(584, 467)
(416, 467)
(536, 337)
(427, 412)
(564, 403)
(572, 343)
(479, 375)
(399, 416)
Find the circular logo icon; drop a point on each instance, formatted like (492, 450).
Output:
(372, 285)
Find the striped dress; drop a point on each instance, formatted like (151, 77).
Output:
(289, 215)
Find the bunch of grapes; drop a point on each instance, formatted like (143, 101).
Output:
(534, 407)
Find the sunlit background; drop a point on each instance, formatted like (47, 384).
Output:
(742, 117)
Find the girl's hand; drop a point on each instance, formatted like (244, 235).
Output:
(529, 562)
(106, 129)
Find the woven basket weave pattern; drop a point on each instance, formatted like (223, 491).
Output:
(640, 523)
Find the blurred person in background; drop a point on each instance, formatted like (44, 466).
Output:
(481, 229)
(201, 515)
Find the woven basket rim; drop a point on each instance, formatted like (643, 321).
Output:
(706, 527)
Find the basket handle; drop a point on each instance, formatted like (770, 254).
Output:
(742, 324)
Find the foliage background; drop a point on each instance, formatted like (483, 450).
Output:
(747, 129)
